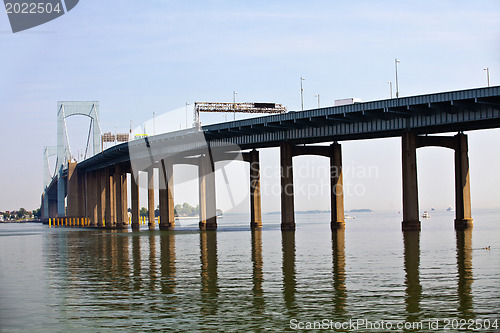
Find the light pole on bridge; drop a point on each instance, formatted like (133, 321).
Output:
(487, 75)
(234, 104)
(187, 115)
(396, 61)
(318, 99)
(154, 129)
(390, 87)
(301, 94)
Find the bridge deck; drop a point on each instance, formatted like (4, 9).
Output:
(426, 114)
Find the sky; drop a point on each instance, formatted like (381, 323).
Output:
(140, 57)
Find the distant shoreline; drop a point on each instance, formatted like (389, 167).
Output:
(22, 221)
(364, 210)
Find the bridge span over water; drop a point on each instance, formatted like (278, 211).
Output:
(97, 191)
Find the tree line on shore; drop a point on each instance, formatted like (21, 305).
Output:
(184, 210)
(21, 214)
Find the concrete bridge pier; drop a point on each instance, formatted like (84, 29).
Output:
(166, 195)
(463, 218)
(411, 219)
(91, 198)
(334, 153)
(109, 211)
(134, 197)
(255, 201)
(206, 178)
(52, 208)
(336, 188)
(101, 198)
(151, 199)
(120, 190)
(287, 204)
(458, 143)
(76, 191)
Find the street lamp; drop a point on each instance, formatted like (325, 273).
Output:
(234, 104)
(318, 99)
(187, 115)
(301, 94)
(154, 130)
(390, 87)
(487, 75)
(396, 61)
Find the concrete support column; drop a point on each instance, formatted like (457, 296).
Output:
(45, 205)
(73, 191)
(255, 202)
(134, 193)
(287, 204)
(463, 218)
(120, 204)
(151, 199)
(52, 208)
(124, 196)
(101, 198)
(337, 187)
(166, 193)
(207, 204)
(108, 202)
(91, 194)
(411, 219)
(61, 194)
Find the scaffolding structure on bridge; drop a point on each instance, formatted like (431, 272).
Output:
(236, 108)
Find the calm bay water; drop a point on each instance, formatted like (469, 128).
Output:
(87, 280)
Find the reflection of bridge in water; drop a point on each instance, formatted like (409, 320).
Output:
(97, 191)
(130, 271)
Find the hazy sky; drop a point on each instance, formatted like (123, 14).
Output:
(140, 57)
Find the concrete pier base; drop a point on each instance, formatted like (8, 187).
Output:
(101, 200)
(336, 188)
(411, 219)
(206, 178)
(166, 196)
(92, 192)
(134, 196)
(255, 201)
(151, 199)
(109, 198)
(120, 184)
(287, 204)
(463, 218)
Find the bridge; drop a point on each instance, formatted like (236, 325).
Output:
(97, 191)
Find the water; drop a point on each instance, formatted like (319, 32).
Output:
(85, 280)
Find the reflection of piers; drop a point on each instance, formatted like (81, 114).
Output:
(209, 284)
(168, 270)
(136, 258)
(338, 256)
(152, 263)
(257, 271)
(289, 279)
(413, 291)
(464, 267)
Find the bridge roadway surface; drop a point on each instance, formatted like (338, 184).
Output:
(455, 111)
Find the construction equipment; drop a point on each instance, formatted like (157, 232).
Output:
(235, 107)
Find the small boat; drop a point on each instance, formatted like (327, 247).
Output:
(349, 217)
(450, 209)
(425, 215)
